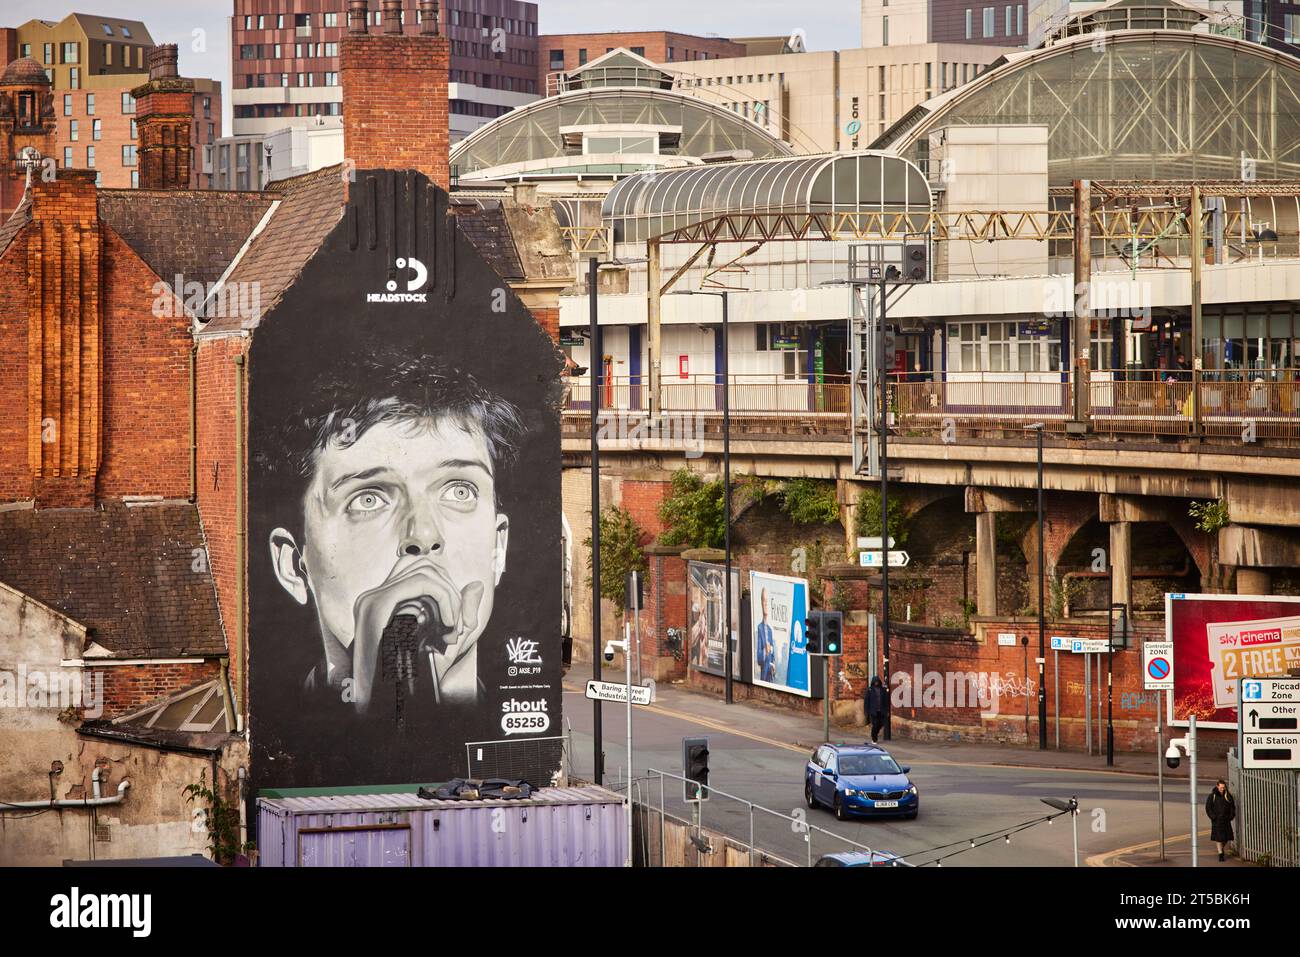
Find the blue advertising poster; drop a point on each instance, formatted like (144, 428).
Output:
(780, 648)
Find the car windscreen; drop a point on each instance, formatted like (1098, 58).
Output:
(868, 764)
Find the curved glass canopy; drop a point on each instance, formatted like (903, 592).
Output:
(832, 196)
(554, 129)
(1139, 105)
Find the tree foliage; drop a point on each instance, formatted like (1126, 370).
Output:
(620, 553)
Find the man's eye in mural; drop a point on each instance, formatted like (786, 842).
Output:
(366, 501)
(462, 494)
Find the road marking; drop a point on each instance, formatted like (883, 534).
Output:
(1105, 860)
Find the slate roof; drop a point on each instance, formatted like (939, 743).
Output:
(17, 220)
(310, 207)
(125, 572)
(192, 233)
(488, 230)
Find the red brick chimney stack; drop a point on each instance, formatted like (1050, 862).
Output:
(65, 412)
(164, 114)
(395, 93)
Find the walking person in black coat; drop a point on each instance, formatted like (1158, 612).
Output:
(1222, 809)
(877, 703)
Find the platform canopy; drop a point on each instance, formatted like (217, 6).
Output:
(838, 196)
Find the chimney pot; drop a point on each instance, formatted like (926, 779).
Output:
(392, 16)
(358, 16)
(429, 17)
(162, 61)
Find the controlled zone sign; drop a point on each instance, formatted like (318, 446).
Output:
(1158, 666)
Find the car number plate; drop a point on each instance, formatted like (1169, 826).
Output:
(886, 804)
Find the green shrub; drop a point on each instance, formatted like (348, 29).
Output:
(693, 512)
(809, 501)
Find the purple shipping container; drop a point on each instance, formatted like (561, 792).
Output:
(556, 827)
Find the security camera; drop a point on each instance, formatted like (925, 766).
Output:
(1172, 756)
(611, 647)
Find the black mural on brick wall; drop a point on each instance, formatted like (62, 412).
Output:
(404, 507)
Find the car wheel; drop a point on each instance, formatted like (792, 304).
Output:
(840, 812)
(808, 794)
(912, 816)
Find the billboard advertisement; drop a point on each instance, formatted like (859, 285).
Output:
(1220, 638)
(779, 654)
(705, 597)
(404, 510)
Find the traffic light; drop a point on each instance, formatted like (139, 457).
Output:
(832, 632)
(695, 768)
(812, 631)
(916, 262)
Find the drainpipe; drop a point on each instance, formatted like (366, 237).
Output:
(225, 682)
(84, 802)
(94, 779)
(194, 435)
(241, 667)
(242, 776)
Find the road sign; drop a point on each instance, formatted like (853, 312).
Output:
(876, 559)
(875, 544)
(1158, 666)
(613, 691)
(1268, 717)
(1006, 638)
(1089, 646)
(1061, 643)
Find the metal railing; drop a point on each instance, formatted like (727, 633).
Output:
(1146, 402)
(1268, 820)
(749, 394)
(798, 824)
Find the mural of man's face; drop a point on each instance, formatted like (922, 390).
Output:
(762, 598)
(402, 521)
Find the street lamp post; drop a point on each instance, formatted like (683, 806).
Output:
(726, 481)
(594, 408)
(1038, 428)
(1072, 805)
(884, 500)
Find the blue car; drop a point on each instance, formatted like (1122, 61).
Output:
(861, 859)
(859, 779)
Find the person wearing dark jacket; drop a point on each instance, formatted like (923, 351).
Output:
(877, 703)
(1222, 809)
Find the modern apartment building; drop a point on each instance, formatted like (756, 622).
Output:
(834, 100)
(93, 63)
(79, 46)
(561, 52)
(285, 61)
(908, 22)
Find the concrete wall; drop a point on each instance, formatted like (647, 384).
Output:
(38, 730)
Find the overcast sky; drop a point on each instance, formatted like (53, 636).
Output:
(201, 27)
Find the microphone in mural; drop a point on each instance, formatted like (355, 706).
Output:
(398, 539)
